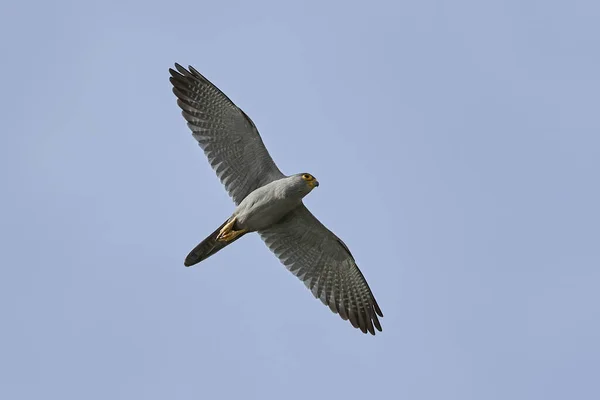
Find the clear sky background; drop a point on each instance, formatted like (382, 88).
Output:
(457, 144)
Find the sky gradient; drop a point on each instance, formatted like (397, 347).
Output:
(457, 146)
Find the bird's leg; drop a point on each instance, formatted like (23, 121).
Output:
(227, 234)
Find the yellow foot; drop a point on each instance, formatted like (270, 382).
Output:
(227, 234)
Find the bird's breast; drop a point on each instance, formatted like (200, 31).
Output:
(262, 212)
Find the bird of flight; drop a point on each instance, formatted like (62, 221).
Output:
(270, 203)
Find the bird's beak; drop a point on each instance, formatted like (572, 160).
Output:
(315, 183)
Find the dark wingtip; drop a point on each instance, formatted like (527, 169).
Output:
(377, 309)
(181, 69)
(370, 327)
(377, 323)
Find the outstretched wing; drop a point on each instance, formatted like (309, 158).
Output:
(323, 262)
(227, 135)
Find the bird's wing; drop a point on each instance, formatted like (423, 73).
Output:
(227, 135)
(323, 262)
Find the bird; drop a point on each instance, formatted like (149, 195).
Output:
(269, 203)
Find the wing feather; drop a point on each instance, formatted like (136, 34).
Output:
(323, 262)
(227, 135)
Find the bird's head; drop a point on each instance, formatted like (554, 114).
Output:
(304, 183)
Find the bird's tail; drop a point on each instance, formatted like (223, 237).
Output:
(208, 247)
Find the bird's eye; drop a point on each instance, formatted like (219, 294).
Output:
(306, 177)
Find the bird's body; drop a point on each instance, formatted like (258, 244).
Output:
(270, 203)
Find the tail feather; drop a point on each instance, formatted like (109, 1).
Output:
(207, 247)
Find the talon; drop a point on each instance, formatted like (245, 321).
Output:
(226, 229)
(227, 234)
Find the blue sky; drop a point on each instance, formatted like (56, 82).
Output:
(457, 145)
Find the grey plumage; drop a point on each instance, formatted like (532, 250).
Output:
(270, 203)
